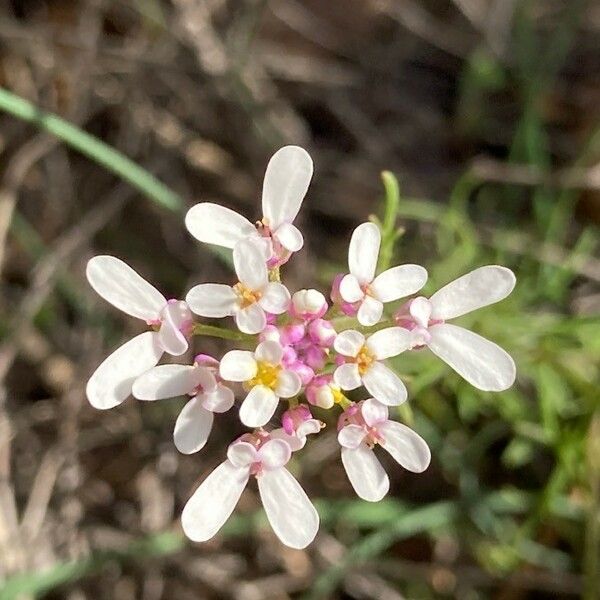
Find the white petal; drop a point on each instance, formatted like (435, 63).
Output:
(369, 480)
(169, 335)
(364, 251)
(384, 385)
(308, 427)
(351, 436)
(407, 447)
(112, 381)
(120, 285)
(389, 342)
(269, 351)
(192, 427)
(420, 310)
(238, 365)
(370, 311)
(374, 412)
(213, 502)
(242, 454)
(289, 237)
(258, 407)
(275, 298)
(274, 454)
(294, 442)
(251, 319)
(398, 282)
(478, 288)
(349, 342)
(250, 267)
(347, 376)
(166, 381)
(481, 362)
(288, 384)
(286, 182)
(350, 290)
(291, 514)
(212, 300)
(219, 400)
(214, 224)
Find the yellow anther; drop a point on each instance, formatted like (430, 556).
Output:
(267, 374)
(339, 398)
(364, 359)
(246, 295)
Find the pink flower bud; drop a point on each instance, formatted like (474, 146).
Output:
(292, 334)
(294, 417)
(321, 332)
(308, 305)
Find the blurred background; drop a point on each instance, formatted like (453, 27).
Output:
(486, 110)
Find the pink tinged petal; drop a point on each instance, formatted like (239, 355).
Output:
(407, 447)
(369, 480)
(474, 290)
(214, 224)
(219, 400)
(120, 285)
(294, 442)
(309, 427)
(364, 251)
(389, 342)
(258, 407)
(286, 182)
(170, 337)
(398, 282)
(112, 381)
(288, 384)
(206, 378)
(251, 319)
(350, 289)
(420, 310)
(481, 362)
(249, 263)
(289, 237)
(238, 365)
(349, 342)
(274, 454)
(242, 454)
(351, 436)
(347, 376)
(212, 300)
(384, 385)
(213, 502)
(370, 311)
(275, 298)
(166, 381)
(192, 427)
(291, 514)
(374, 412)
(269, 351)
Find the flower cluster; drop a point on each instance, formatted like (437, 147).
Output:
(293, 350)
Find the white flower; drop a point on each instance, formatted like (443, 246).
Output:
(289, 511)
(361, 285)
(363, 364)
(481, 362)
(209, 396)
(286, 181)
(264, 376)
(366, 425)
(246, 301)
(171, 320)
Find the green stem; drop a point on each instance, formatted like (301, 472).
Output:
(389, 233)
(224, 334)
(92, 147)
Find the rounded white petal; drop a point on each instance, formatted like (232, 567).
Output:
(398, 282)
(192, 427)
(347, 376)
(289, 237)
(169, 335)
(288, 384)
(275, 298)
(420, 310)
(269, 351)
(389, 342)
(481, 362)
(112, 381)
(349, 342)
(219, 400)
(212, 300)
(242, 454)
(294, 442)
(364, 251)
(291, 514)
(238, 365)
(309, 427)
(369, 480)
(124, 288)
(274, 454)
(308, 301)
(384, 385)
(258, 407)
(350, 289)
(166, 381)
(478, 288)
(251, 319)
(407, 447)
(214, 224)
(351, 436)
(370, 311)
(374, 412)
(286, 182)
(249, 263)
(213, 502)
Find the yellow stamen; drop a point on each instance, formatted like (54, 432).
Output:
(267, 374)
(246, 295)
(364, 359)
(339, 398)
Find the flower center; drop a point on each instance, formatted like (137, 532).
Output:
(364, 359)
(246, 295)
(266, 374)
